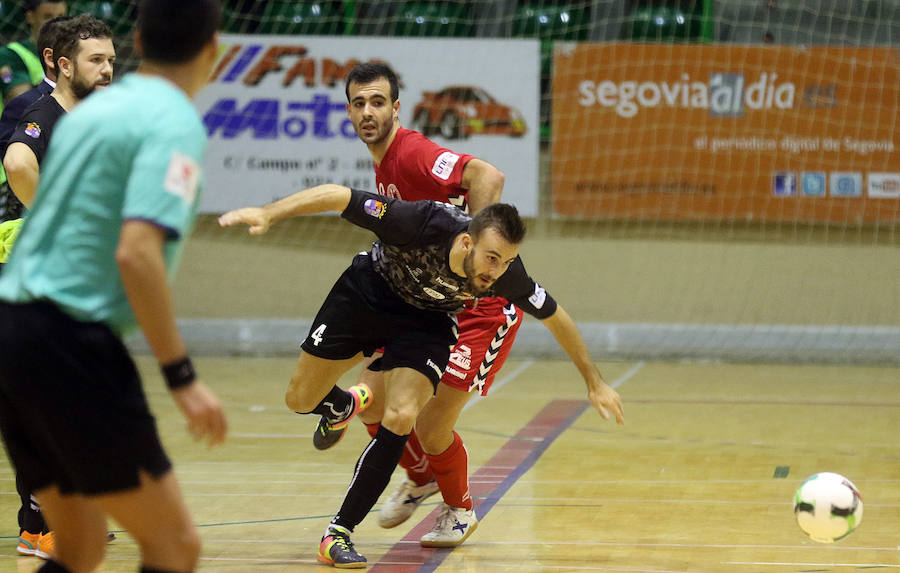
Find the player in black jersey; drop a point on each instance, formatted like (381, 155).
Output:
(83, 47)
(431, 259)
(84, 54)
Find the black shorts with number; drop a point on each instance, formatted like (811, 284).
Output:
(72, 409)
(362, 314)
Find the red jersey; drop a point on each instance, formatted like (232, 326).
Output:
(416, 168)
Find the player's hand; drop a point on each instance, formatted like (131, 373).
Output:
(206, 420)
(256, 217)
(606, 400)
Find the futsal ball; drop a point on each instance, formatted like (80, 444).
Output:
(828, 507)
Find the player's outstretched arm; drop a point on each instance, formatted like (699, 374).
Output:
(603, 397)
(142, 268)
(484, 182)
(319, 199)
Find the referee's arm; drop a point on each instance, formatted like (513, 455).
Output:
(22, 171)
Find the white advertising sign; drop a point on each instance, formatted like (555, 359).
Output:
(277, 122)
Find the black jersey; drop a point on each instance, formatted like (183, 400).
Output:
(35, 128)
(413, 255)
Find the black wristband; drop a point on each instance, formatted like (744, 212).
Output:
(179, 373)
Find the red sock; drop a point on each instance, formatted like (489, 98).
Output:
(413, 461)
(451, 472)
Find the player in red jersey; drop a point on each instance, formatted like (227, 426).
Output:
(410, 166)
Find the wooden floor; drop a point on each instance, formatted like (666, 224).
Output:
(700, 479)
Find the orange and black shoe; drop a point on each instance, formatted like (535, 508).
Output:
(337, 549)
(329, 433)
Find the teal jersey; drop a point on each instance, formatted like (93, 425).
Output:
(129, 152)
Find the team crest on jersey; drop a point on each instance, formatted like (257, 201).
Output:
(444, 164)
(182, 177)
(6, 74)
(375, 208)
(33, 130)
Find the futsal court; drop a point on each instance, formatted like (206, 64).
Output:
(701, 478)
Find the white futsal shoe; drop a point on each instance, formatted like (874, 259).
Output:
(403, 502)
(453, 526)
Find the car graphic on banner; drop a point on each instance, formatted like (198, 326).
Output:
(460, 111)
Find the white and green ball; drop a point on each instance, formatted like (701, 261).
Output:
(828, 507)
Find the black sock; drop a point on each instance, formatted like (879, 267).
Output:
(52, 567)
(373, 472)
(30, 517)
(336, 406)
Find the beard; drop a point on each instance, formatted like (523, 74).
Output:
(83, 88)
(471, 275)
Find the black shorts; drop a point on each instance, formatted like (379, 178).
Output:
(72, 409)
(362, 314)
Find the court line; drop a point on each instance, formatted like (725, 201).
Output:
(627, 376)
(549, 424)
(495, 387)
(810, 564)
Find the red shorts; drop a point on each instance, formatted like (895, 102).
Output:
(486, 335)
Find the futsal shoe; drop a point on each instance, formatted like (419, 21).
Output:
(404, 501)
(337, 549)
(329, 433)
(454, 525)
(28, 543)
(46, 546)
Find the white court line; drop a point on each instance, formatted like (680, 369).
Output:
(525, 365)
(810, 564)
(627, 376)
(502, 382)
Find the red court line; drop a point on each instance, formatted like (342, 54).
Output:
(518, 455)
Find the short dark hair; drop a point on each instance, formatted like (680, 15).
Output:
(71, 32)
(31, 5)
(47, 37)
(175, 31)
(502, 217)
(368, 72)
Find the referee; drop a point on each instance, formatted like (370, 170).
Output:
(117, 198)
(430, 261)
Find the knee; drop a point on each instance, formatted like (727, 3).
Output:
(399, 418)
(296, 400)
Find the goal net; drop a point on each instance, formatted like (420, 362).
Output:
(702, 179)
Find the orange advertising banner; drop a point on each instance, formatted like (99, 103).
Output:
(730, 132)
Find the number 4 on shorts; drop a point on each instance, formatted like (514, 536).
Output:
(317, 334)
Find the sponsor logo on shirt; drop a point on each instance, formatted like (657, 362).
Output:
(444, 164)
(433, 293)
(182, 177)
(434, 367)
(462, 357)
(539, 296)
(33, 130)
(445, 284)
(375, 208)
(456, 373)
